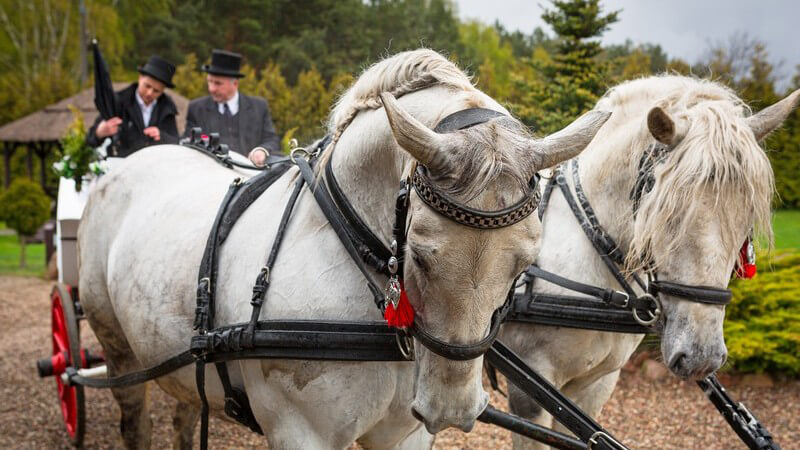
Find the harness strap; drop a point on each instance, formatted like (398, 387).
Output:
(609, 296)
(599, 246)
(599, 234)
(574, 312)
(329, 210)
(370, 248)
(200, 379)
(250, 192)
(263, 278)
(548, 191)
(464, 352)
(740, 419)
(702, 294)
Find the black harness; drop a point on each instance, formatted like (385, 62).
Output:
(375, 341)
(605, 309)
(617, 311)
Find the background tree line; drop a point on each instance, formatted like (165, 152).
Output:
(301, 54)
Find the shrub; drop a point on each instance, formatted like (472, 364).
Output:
(762, 327)
(24, 207)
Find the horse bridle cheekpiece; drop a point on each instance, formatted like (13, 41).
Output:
(645, 180)
(398, 311)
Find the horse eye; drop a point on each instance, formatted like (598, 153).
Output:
(419, 261)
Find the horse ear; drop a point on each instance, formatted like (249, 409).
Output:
(664, 129)
(570, 141)
(418, 140)
(768, 119)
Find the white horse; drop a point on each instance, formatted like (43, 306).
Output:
(146, 225)
(714, 184)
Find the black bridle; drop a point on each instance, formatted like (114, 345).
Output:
(645, 180)
(370, 246)
(645, 308)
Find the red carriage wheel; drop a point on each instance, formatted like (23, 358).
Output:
(66, 341)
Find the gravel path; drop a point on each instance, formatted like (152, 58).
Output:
(668, 414)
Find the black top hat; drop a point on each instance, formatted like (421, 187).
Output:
(160, 69)
(224, 63)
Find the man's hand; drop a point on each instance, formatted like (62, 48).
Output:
(258, 156)
(153, 133)
(108, 127)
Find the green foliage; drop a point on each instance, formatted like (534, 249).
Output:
(309, 106)
(483, 49)
(573, 79)
(786, 228)
(188, 80)
(762, 324)
(783, 150)
(24, 207)
(77, 158)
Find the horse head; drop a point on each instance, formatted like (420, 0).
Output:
(457, 275)
(712, 185)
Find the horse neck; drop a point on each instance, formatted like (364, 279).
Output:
(607, 173)
(369, 176)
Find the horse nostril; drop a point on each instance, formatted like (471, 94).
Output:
(677, 363)
(417, 415)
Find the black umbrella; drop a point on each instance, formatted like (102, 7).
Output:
(104, 98)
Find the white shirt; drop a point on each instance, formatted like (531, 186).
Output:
(233, 105)
(147, 110)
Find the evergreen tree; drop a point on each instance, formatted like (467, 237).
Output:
(574, 79)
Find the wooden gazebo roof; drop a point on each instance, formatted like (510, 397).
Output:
(50, 123)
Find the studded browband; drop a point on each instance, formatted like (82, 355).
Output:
(475, 218)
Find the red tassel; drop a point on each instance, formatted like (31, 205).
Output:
(403, 316)
(746, 269)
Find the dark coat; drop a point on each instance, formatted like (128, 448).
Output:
(131, 130)
(255, 122)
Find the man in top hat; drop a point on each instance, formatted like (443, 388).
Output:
(243, 122)
(148, 114)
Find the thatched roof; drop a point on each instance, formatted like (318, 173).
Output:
(50, 123)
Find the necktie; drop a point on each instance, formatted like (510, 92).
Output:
(226, 111)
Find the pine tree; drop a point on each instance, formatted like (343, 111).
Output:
(574, 79)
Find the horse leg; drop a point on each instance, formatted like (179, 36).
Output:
(183, 424)
(592, 396)
(523, 405)
(135, 423)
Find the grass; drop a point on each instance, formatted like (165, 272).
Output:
(786, 226)
(9, 257)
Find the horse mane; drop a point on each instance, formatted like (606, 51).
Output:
(399, 74)
(719, 154)
(415, 70)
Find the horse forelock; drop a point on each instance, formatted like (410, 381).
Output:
(495, 149)
(718, 156)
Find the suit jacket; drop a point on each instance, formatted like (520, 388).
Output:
(255, 122)
(131, 135)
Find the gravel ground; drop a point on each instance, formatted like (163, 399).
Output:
(668, 414)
